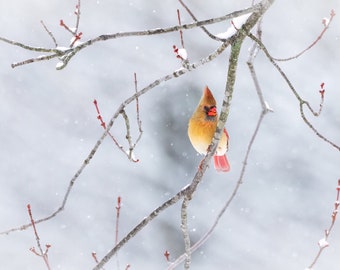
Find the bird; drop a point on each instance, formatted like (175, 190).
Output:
(201, 130)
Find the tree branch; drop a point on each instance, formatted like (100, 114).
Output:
(302, 102)
(206, 236)
(66, 54)
(173, 75)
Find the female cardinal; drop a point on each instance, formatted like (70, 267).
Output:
(201, 129)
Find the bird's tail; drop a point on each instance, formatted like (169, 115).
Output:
(221, 163)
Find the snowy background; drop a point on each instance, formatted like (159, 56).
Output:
(48, 127)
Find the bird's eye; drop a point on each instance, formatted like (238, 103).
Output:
(210, 111)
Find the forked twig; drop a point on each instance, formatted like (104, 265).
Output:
(326, 22)
(41, 253)
(129, 152)
(77, 13)
(302, 102)
(181, 53)
(139, 122)
(323, 242)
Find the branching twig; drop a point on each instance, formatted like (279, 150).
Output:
(67, 54)
(103, 124)
(129, 152)
(185, 230)
(41, 253)
(323, 243)
(77, 13)
(302, 102)
(74, 31)
(326, 22)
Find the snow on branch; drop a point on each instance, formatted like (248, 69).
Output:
(172, 75)
(65, 54)
(323, 242)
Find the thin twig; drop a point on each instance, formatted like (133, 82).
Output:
(326, 23)
(140, 226)
(31, 48)
(205, 30)
(129, 152)
(77, 13)
(189, 190)
(252, 55)
(323, 243)
(42, 254)
(103, 124)
(302, 102)
(36, 59)
(67, 28)
(139, 122)
(49, 33)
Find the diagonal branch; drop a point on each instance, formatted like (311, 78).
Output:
(326, 22)
(172, 75)
(189, 190)
(265, 110)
